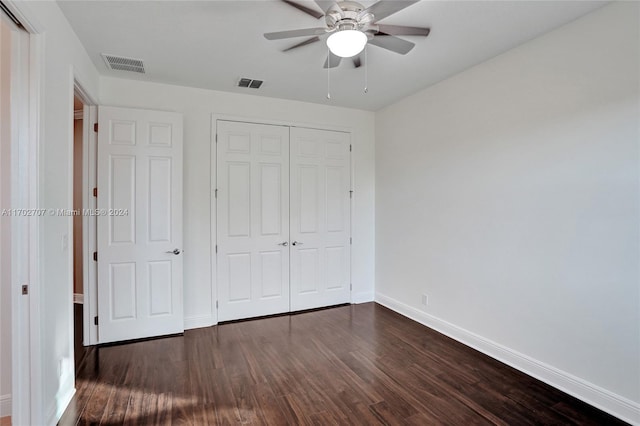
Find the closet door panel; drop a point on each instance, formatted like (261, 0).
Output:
(320, 218)
(252, 219)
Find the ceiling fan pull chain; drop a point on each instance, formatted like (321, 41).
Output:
(366, 71)
(328, 73)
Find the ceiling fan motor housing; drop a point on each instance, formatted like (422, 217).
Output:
(349, 16)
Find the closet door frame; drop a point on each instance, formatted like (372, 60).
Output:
(213, 220)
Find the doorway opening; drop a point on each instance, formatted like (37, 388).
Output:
(82, 162)
(78, 266)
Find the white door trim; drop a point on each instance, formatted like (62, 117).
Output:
(258, 120)
(36, 84)
(26, 325)
(213, 179)
(89, 225)
(89, 267)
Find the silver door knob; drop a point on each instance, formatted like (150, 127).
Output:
(174, 251)
(296, 243)
(284, 243)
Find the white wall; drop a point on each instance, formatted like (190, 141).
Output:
(510, 195)
(5, 221)
(64, 57)
(197, 105)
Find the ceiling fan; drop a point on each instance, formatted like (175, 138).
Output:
(350, 26)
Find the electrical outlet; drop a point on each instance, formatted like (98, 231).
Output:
(425, 300)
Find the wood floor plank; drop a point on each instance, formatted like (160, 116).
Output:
(386, 414)
(164, 409)
(293, 410)
(223, 400)
(204, 414)
(134, 409)
(245, 401)
(94, 409)
(357, 365)
(116, 407)
(183, 410)
(267, 406)
(324, 418)
(450, 400)
(394, 398)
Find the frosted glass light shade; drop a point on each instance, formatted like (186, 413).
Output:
(347, 43)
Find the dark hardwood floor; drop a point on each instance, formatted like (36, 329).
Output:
(360, 364)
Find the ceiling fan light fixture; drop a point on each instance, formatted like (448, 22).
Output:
(347, 43)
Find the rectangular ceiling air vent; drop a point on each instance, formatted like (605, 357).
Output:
(247, 82)
(121, 63)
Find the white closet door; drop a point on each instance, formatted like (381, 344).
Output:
(320, 218)
(252, 219)
(140, 224)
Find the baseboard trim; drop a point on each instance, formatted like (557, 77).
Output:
(78, 298)
(198, 322)
(362, 297)
(5, 405)
(590, 393)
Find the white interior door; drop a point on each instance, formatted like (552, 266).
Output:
(252, 219)
(320, 218)
(139, 224)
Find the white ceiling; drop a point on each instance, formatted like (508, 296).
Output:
(211, 44)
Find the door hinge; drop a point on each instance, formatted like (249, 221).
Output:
(95, 127)
(95, 256)
(95, 320)
(95, 192)
(350, 147)
(216, 193)
(216, 248)
(350, 240)
(216, 304)
(216, 138)
(351, 194)
(350, 286)
(25, 289)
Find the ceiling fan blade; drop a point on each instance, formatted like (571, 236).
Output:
(392, 43)
(335, 60)
(295, 33)
(325, 5)
(400, 30)
(305, 9)
(357, 61)
(304, 43)
(384, 8)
